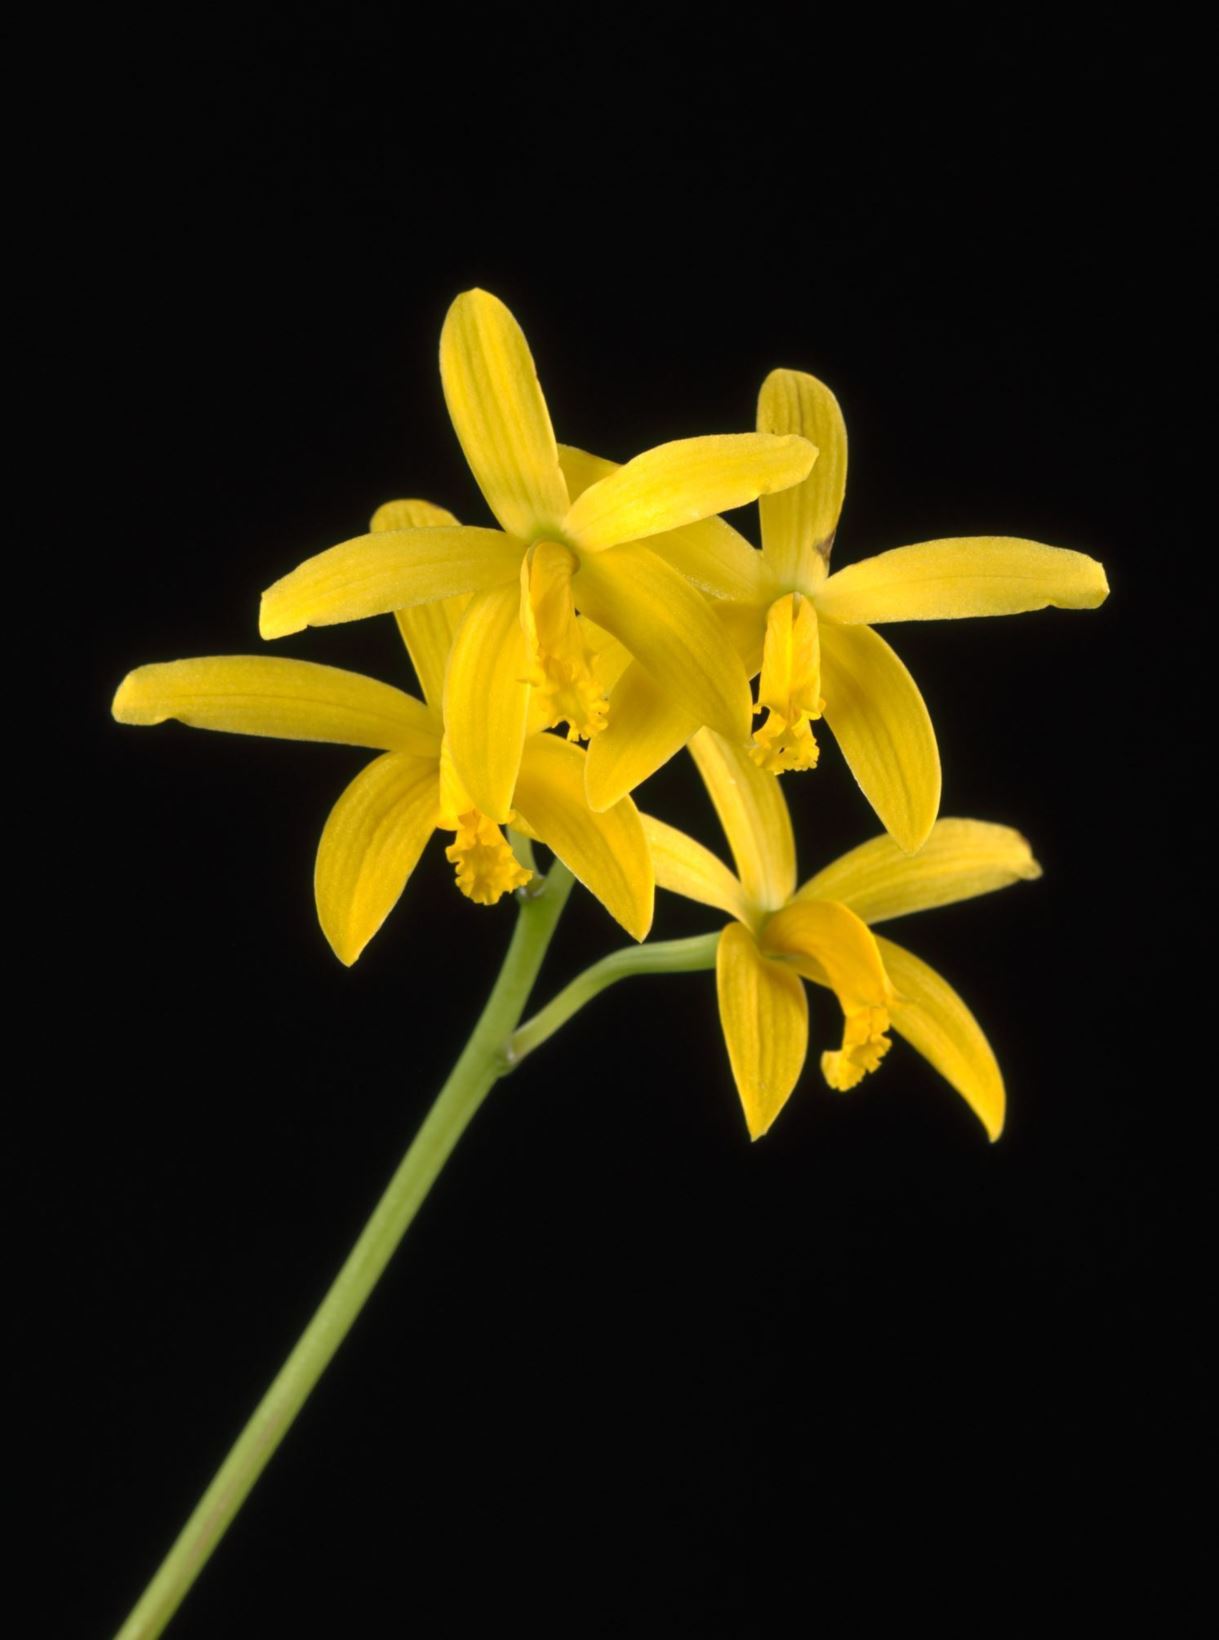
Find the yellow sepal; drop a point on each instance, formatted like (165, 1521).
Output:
(764, 1012)
(607, 852)
(934, 1020)
(879, 719)
(753, 813)
(369, 847)
(495, 403)
(687, 868)
(388, 570)
(280, 698)
(960, 859)
(975, 575)
(798, 524)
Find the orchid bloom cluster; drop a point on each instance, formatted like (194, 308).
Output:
(610, 620)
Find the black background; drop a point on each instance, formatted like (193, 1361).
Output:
(629, 1373)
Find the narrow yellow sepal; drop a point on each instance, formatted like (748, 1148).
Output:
(427, 629)
(934, 1020)
(881, 723)
(960, 859)
(764, 1013)
(386, 571)
(753, 812)
(687, 868)
(369, 847)
(284, 699)
(499, 414)
(948, 580)
(607, 852)
(798, 524)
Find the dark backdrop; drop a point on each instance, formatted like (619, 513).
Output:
(629, 1373)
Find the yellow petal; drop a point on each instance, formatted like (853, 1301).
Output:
(960, 859)
(753, 813)
(977, 575)
(934, 1020)
(392, 569)
(288, 700)
(495, 401)
(671, 630)
(486, 700)
(607, 852)
(370, 845)
(711, 554)
(679, 483)
(646, 728)
(874, 708)
(687, 868)
(764, 1012)
(427, 629)
(798, 524)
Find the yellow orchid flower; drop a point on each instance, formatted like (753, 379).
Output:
(377, 830)
(552, 557)
(811, 633)
(820, 932)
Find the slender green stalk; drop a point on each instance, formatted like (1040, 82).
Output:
(665, 957)
(482, 1062)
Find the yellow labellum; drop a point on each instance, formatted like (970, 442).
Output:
(559, 665)
(789, 691)
(487, 869)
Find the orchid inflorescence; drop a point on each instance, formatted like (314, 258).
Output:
(612, 619)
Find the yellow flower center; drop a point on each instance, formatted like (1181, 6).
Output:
(486, 865)
(789, 689)
(864, 1045)
(559, 664)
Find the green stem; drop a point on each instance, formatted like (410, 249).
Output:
(483, 1061)
(666, 957)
